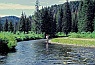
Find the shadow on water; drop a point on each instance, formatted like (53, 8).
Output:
(37, 52)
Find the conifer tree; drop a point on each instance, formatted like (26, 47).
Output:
(74, 22)
(86, 17)
(0, 25)
(22, 23)
(16, 27)
(10, 27)
(66, 23)
(6, 25)
(80, 15)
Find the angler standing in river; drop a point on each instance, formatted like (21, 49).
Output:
(47, 37)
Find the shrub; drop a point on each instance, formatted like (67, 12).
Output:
(82, 35)
(60, 34)
(8, 39)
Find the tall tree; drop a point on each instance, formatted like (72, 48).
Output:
(59, 17)
(16, 27)
(66, 18)
(94, 24)
(52, 22)
(80, 19)
(85, 22)
(10, 27)
(74, 22)
(45, 24)
(37, 19)
(1, 25)
(94, 15)
(6, 25)
(22, 23)
(27, 25)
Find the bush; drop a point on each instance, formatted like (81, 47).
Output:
(82, 35)
(60, 34)
(31, 35)
(8, 39)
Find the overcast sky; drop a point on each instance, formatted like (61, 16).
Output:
(15, 7)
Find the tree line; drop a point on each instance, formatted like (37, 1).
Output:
(23, 25)
(74, 16)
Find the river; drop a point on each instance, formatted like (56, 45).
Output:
(37, 52)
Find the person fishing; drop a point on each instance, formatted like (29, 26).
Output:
(47, 37)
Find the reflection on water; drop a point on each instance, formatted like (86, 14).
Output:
(47, 48)
(40, 53)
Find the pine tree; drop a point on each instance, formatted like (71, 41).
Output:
(22, 23)
(66, 19)
(37, 19)
(45, 24)
(27, 25)
(16, 27)
(94, 24)
(0, 25)
(74, 22)
(59, 17)
(6, 25)
(86, 13)
(80, 19)
(94, 15)
(58, 22)
(10, 27)
(52, 22)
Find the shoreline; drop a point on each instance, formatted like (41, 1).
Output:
(72, 44)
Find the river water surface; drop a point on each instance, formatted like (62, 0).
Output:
(37, 52)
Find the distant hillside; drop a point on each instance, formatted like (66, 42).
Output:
(10, 18)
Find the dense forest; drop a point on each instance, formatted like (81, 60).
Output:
(74, 16)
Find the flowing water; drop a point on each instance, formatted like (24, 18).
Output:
(37, 52)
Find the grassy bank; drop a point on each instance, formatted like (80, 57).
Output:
(79, 39)
(75, 41)
(8, 40)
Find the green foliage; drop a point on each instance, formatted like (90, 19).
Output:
(8, 39)
(60, 34)
(82, 35)
(11, 39)
(31, 35)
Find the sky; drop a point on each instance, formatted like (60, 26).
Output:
(16, 7)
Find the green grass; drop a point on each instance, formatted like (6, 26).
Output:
(69, 41)
(80, 39)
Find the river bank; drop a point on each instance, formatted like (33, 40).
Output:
(74, 41)
(8, 40)
(36, 52)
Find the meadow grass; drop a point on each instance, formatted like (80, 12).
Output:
(80, 39)
(75, 41)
